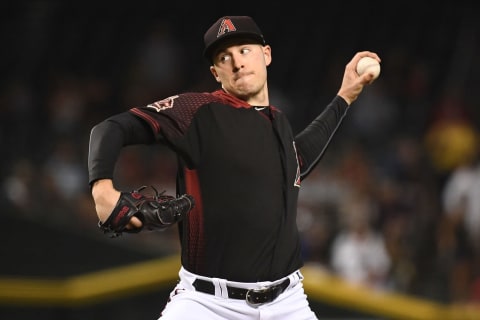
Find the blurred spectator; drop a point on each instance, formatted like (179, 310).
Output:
(66, 169)
(407, 197)
(359, 254)
(451, 135)
(319, 199)
(18, 187)
(459, 233)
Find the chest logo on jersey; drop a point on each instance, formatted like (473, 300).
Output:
(297, 175)
(163, 104)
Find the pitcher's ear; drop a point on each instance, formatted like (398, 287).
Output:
(267, 52)
(214, 73)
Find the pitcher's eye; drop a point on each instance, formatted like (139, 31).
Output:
(245, 50)
(224, 58)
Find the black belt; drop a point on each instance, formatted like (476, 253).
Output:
(253, 297)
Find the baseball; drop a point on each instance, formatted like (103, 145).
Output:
(370, 65)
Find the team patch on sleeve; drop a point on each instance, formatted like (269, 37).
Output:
(163, 104)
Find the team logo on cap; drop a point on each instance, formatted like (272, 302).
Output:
(226, 26)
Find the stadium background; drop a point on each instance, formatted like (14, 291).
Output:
(67, 65)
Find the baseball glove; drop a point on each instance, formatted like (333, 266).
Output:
(156, 212)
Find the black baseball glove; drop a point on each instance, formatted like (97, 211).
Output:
(156, 211)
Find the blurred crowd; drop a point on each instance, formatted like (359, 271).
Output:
(395, 202)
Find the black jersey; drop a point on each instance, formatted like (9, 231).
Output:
(244, 168)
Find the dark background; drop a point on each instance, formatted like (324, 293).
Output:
(66, 65)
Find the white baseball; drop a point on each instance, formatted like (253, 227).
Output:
(370, 65)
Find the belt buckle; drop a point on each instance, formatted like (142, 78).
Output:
(249, 298)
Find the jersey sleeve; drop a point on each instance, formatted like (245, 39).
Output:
(163, 121)
(170, 118)
(108, 137)
(312, 142)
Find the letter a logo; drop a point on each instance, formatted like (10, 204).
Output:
(226, 26)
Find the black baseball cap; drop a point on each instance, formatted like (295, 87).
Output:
(229, 27)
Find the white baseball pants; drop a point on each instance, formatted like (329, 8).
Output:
(186, 303)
